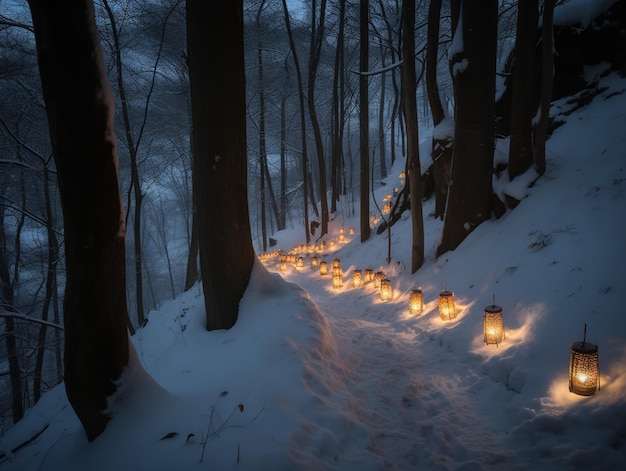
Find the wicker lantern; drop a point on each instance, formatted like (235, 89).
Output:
(446, 305)
(379, 275)
(323, 268)
(416, 301)
(315, 261)
(352, 231)
(357, 278)
(369, 275)
(337, 280)
(493, 327)
(300, 262)
(584, 376)
(386, 292)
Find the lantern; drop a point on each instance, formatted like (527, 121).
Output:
(379, 275)
(352, 231)
(300, 262)
(584, 377)
(416, 301)
(341, 238)
(357, 278)
(283, 265)
(493, 327)
(369, 275)
(336, 266)
(446, 305)
(315, 261)
(331, 243)
(324, 268)
(342, 230)
(386, 292)
(337, 280)
(387, 208)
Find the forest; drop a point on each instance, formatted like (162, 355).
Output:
(327, 98)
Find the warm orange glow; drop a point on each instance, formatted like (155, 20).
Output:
(323, 268)
(337, 280)
(357, 278)
(369, 275)
(416, 301)
(386, 292)
(300, 262)
(583, 368)
(379, 275)
(315, 261)
(446, 305)
(283, 266)
(493, 327)
(342, 230)
(352, 231)
(387, 208)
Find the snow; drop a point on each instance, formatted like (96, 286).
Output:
(314, 378)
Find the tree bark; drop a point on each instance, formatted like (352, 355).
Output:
(364, 177)
(79, 106)
(409, 84)
(217, 84)
(547, 77)
(522, 97)
(473, 67)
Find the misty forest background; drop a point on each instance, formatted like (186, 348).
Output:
(296, 179)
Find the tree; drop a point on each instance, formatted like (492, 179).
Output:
(217, 82)
(409, 84)
(547, 77)
(523, 100)
(441, 141)
(473, 63)
(79, 107)
(364, 177)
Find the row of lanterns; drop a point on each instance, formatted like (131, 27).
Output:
(584, 376)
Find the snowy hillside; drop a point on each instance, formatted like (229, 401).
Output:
(316, 378)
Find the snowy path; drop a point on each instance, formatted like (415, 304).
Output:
(421, 416)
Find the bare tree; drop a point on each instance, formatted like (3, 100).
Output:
(79, 106)
(364, 175)
(215, 43)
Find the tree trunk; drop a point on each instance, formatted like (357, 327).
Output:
(282, 223)
(523, 101)
(441, 146)
(473, 69)
(305, 164)
(547, 77)
(364, 176)
(79, 105)
(317, 37)
(215, 43)
(409, 84)
(337, 116)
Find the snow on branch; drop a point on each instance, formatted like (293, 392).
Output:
(24, 317)
(379, 71)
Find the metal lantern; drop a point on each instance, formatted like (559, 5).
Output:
(369, 275)
(337, 280)
(357, 278)
(315, 261)
(379, 275)
(584, 376)
(446, 305)
(336, 267)
(300, 262)
(493, 327)
(416, 301)
(386, 292)
(323, 268)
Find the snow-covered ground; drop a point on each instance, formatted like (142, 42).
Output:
(314, 378)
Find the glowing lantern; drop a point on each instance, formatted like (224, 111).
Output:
(388, 197)
(341, 238)
(357, 278)
(493, 327)
(386, 292)
(369, 275)
(352, 231)
(315, 261)
(584, 377)
(337, 280)
(446, 305)
(324, 268)
(395, 190)
(416, 301)
(300, 262)
(342, 230)
(283, 262)
(336, 266)
(379, 275)
(331, 243)
(387, 208)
